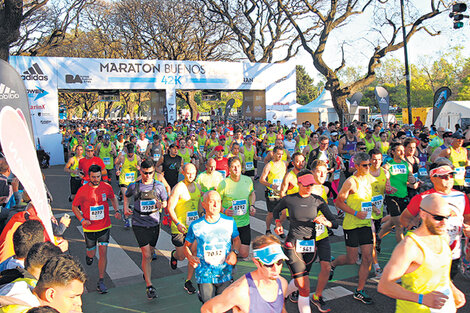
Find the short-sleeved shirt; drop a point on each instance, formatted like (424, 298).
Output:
(84, 164)
(214, 243)
(235, 195)
(94, 205)
(146, 220)
(460, 206)
(209, 181)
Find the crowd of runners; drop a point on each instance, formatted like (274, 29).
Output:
(198, 178)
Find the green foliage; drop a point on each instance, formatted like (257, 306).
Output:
(306, 91)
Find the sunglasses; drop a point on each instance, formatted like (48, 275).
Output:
(366, 165)
(148, 173)
(436, 217)
(279, 263)
(445, 176)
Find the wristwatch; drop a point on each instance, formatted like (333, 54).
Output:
(235, 251)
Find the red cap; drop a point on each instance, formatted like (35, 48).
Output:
(219, 148)
(442, 170)
(306, 180)
(221, 137)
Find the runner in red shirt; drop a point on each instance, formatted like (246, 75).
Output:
(91, 208)
(442, 176)
(89, 160)
(221, 162)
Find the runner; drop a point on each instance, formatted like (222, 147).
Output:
(184, 152)
(218, 243)
(447, 143)
(354, 199)
(299, 245)
(262, 290)
(156, 149)
(458, 155)
(72, 168)
(149, 197)
(107, 152)
(347, 146)
(271, 177)
(251, 157)
(313, 143)
(422, 261)
(210, 179)
(269, 139)
(89, 160)
(301, 140)
(238, 199)
(289, 142)
(171, 164)
(183, 206)
(221, 162)
(91, 208)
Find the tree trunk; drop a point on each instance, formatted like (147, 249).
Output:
(189, 98)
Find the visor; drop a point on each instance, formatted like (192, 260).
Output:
(306, 180)
(89, 147)
(270, 254)
(441, 170)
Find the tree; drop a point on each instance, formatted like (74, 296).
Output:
(328, 16)
(306, 91)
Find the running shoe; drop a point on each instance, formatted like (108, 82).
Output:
(332, 272)
(89, 260)
(154, 256)
(320, 303)
(268, 232)
(127, 223)
(362, 296)
(378, 242)
(151, 293)
(188, 286)
(294, 297)
(283, 236)
(101, 287)
(378, 275)
(359, 259)
(173, 261)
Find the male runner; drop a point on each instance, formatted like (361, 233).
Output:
(89, 160)
(210, 179)
(149, 197)
(72, 168)
(458, 155)
(262, 290)
(218, 242)
(107, 153)
(91, 208)
(183, 206)
(422, 261)
(171, 164)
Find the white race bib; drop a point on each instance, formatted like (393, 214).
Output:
(460, 173)
(156, 157)
(239, 207)
(467, 182)
(221, 172)
(214, 256)
(423, 172)
(249, 166)
(96, 213)
(319, 229)
(398, 169)
(336, 175)
(201, 149)
(107, 161)
(129, 177)
(367, 207)
(305, 246)
(147, 206)
(449, 305)
(378, 201)
(191, 216)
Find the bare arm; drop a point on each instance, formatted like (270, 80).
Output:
(233, 296)
(264, 175)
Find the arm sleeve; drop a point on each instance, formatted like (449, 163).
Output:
(278, 208)
(329, 216)
(413, 206)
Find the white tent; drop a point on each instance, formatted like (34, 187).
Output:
(454, 112)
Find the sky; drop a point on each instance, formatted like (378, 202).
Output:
(421, 46)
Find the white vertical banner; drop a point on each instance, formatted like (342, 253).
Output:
(171, 105)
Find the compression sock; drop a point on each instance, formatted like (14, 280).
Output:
(304, 305)
(291, 287)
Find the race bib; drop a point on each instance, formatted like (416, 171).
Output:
(214, 256)
(423, 172)
(460, 173)
(398, 169)
(367, 207)
(336, 175)
(156, 157)
(291, 151)
(249, 166)
(239, 207)
(467, 182)
(107, 161)
(449, 305)
(201, 149)
(96, 213)
(302, 148)
(142, 150)
(278, 182)
(191, 216)
(422, 163)
(129, 177)
(378, 201)
(221, 172)
(305, 246)
(319, 229)
(147, 206)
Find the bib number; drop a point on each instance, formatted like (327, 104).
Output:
(156, 157)
(398, 169)
(201, 149)
(305, 246)
(191, 216)
(221, 172)
(367, 207)
(336, 175)
(249, 166)
(214, 256)
(378, 201)
(319, 229)
(467, 182)
(423, 172)
(107, 161)
(460, 173)
(239, 207)
(129, 177)
(96, 213)
(147, 206)
(449, 305)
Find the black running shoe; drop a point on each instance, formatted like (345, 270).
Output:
(362, 296)
(332, 272)
(320, 304)
(188, 286)
(89, 260)
(101, 287)
(294, 297)
(151, 293)
(173, 261)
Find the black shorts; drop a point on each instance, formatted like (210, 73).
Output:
(299, 263)
(102, 237)
(250, 173)
(377, 225)
(75, 184)
(245, 234)
(395, 205)
(358, 237)
(123, 185)
(146, 235)
(454, 268)
(270, 202)
(178, 239)
(323, 249)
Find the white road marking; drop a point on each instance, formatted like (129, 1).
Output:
(335, 292)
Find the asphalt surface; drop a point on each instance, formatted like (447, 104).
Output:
(127, 288)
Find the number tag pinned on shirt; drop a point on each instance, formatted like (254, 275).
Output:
(147, 206)
(156, 157)
(239, 207)
(249, 166)
(319, 229)
(398, 169)
(191, 216)
(129, 177)
(96, 213)
(423, 172)
(214, 256)
(367, 207)
(305, 246)
(378, 201)
(107, 161)
(459, 172)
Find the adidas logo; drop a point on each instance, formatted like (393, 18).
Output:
(7, 94)
(34, 73)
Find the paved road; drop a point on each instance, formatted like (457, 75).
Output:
(127, 288)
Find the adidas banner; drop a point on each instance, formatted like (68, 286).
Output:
(440, 98)
(383, 99)
(13, 92)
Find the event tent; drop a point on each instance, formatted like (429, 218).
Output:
(454, 112)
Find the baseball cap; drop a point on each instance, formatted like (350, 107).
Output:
(447, 134)
(334, 134)
(441, 166)
(457, 135)
(221, 137)
(173, 145)
(106, 137)
(248, 137)
(219, 148)
(306, 180)
(270, 254)
(89, 147)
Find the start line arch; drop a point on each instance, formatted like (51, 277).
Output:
(45, 76)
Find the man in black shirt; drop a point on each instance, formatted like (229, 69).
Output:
(171, 164)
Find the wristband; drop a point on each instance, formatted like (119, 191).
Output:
(81, 221)
(355, 213)
(420, 298)
(178, 224)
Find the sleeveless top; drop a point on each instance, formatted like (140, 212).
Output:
(249, 157)
(459, 160)
(186, 210)
(432, 275)
(378, 191)
(258, 304)
(275, 175)
(129, 171)
(359, 201)
(74, 166)
(369, 145)
(349, 146)
(105, 155)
